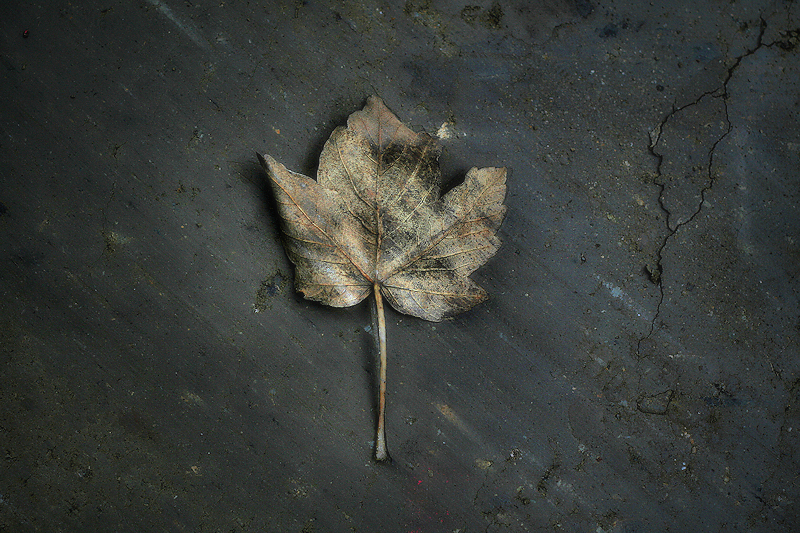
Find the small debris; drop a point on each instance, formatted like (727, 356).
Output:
(445, 131)
(483, 464)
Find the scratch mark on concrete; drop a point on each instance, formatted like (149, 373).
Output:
(188, 28)
(625, 298)
(457, 421)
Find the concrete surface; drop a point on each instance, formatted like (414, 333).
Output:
(636, 368)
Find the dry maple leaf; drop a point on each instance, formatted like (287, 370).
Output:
(374, 221)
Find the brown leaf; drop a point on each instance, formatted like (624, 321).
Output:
(374, 220)
(374, 217)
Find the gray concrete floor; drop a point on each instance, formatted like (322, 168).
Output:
(636, 368)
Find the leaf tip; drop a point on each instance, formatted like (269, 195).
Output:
(374, 99)
(266, 161)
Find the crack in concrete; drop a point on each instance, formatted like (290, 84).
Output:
(655, 273)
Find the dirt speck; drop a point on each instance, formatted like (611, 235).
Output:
(271, 286)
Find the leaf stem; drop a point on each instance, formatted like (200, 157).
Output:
(380, 439)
